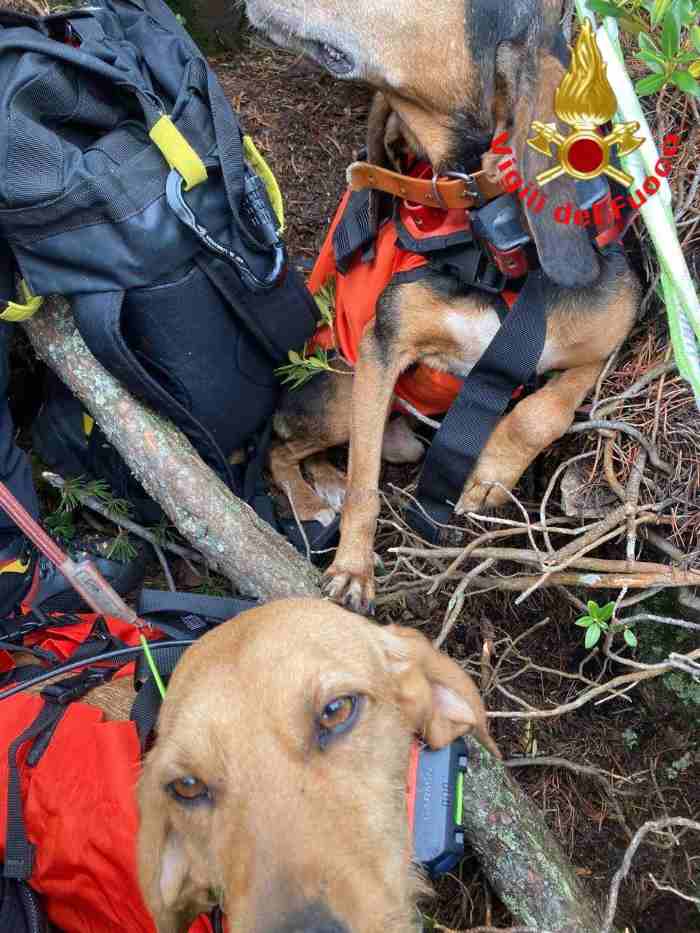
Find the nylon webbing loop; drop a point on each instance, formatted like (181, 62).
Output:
(508, 362)
(177, 152)
(19, 851)
(15, 311)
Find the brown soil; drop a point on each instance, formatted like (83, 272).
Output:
(309, 128)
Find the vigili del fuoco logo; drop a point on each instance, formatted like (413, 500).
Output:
(584, 101)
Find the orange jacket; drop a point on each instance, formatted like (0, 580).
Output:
(80, 812)
(79, 803)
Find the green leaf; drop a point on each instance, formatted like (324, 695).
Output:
(686, 82)
(592, 636)
(605, 9)
(695, 36)
(585, 621)
(606, 612)
(685, 12)
(593, 608)
(689, 11)
(626, 20)
(647, 44)
(630, 638)
(652, 61)
(659, 11)
(670, 37)
(649, 85)
(694, 69)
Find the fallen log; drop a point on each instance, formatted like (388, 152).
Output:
(519, 855)
(223, 528)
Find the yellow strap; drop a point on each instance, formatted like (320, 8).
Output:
(177, 152)
(21, 311)
(261, 168)
(15, 567)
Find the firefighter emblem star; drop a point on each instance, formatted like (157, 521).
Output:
(585, 100)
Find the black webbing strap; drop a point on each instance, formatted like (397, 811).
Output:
(508, 362)
(19, 851)
(221, 608)
(174, 614)
(146, 706)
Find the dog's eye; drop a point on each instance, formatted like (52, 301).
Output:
(337, 717)
(189, 789)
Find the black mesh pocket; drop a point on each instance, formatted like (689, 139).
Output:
(30, 143)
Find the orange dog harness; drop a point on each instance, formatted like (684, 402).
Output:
(358, 289)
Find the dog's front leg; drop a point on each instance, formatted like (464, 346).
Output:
(350, 578)
(535, 423)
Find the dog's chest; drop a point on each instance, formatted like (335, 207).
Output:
(464, 336)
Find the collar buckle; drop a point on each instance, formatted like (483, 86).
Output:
(471, 189)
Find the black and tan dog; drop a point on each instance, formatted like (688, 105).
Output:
(451, 74)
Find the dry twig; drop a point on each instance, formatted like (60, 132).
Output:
(622, 872)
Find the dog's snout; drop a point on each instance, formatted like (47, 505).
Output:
(313, 918)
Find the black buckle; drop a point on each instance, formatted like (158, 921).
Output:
(74, 688)
(471, 265)
(488, 276)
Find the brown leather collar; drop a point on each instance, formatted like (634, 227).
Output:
(466, 191)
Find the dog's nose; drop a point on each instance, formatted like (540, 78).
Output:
(314, 918)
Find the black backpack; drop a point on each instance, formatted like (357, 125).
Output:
(129, 187)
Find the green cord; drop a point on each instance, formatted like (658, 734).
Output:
(152, 665)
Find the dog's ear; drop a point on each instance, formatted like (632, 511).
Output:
(565, 250)
(379, 116)
(438, 699)
(163, 863)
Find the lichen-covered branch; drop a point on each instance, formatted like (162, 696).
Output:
(223, 528)
(522, 860)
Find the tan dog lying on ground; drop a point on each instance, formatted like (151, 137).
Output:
(452, 74)
(276, 784)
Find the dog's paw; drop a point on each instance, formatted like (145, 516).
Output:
(479, 495)
(353, 590)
